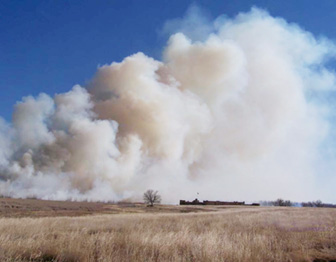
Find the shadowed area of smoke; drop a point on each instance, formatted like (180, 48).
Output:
(234, 115)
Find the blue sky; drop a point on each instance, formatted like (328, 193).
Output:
(49, 46)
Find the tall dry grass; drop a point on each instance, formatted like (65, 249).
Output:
(247, 234)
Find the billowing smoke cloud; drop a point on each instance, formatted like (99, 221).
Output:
(234, 113)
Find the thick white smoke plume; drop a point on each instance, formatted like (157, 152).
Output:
(233, 116)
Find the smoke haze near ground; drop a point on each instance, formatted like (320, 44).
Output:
(234, 110)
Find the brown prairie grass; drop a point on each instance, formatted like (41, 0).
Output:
(244, 234)
(10, 207)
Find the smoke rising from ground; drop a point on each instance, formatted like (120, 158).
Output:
(232, 116)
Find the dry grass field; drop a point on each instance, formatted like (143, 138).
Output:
(167, 233)
(10, 207)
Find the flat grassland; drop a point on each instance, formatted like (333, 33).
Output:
(68, 231)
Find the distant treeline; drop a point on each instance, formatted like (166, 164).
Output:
(288, 203)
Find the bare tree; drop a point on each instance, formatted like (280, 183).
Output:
(280, 202)
(151, 197)
(318, 203)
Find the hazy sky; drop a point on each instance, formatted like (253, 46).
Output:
(49, 46)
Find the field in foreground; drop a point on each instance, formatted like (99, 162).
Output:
(232, 234)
